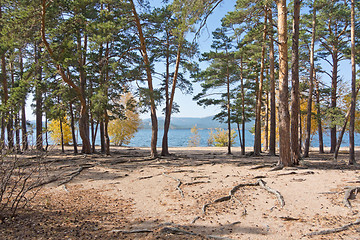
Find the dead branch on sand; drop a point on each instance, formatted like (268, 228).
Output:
(334, 230)
(231, 195)
(179, 184)
(348, 195)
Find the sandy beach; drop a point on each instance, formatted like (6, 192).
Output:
(196, 193)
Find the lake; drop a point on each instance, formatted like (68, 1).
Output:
(181, 137)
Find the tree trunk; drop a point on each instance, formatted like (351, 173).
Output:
(353, 89)
(333, 99)
(38, 100)
(154, 122)
(266, 147)
(284, 118)
(272, 141)
(72, 123)
(102, 136)
(295, 95)
(311, 87)
(165, 149)
(318, 113)
(10, 126)
(228, 108)
(61, 135)
(257, 142)
(5, 98)
(242, 107)
(24, 138)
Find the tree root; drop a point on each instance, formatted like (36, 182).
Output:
(75, 173)
(231, 195)
(334, 230)
(348, 194)
(167, 229)
(179, 184)
(262, 166)
(270, 190)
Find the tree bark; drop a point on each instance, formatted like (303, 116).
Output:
(284, 118)
(154, 122)
(228, 107)
(272, 141)
(353, 89)
(61, 135)
(242, 107)
(333, 104)
(24, 138)
(257, 142)
(38, 100)
(311, 87)
(72, 124)
(102, 136)
(165, 148)
(318, 113)
(295, 94)
(5, 98)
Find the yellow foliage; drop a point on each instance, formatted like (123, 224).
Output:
(220, 137)
(55, 132)
(121, 131)
(195, 138)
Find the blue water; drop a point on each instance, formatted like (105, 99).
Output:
(181, 137)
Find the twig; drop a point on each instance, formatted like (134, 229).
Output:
(335, 230)
(348, 194)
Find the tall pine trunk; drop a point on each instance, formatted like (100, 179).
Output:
(24, 138)
(272, 141)
(295, 95)
(243, 119)
(311, 86)
(333, 104)
(257, 142)
(72, 124)
(154, 122)
(284, 118)
(38, 99)
(353, 89)
(165, 148)
(318, 113)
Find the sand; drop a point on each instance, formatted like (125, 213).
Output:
(129, 196)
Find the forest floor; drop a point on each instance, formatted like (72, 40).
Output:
(196, 193)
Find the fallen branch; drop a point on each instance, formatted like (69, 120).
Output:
(179, 184)
(348, 194)
(335, 230)
(231, 195)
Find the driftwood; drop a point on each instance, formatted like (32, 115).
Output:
(348, 194)
(335, 230)
(231, 195)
